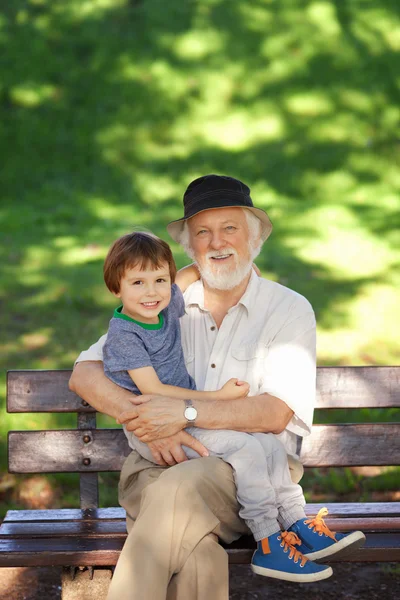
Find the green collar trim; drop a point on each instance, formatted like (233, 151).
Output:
(119, 315)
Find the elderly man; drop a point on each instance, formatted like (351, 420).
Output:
(236, 325)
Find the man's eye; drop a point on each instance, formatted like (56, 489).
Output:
(202, 231)
(230, 227)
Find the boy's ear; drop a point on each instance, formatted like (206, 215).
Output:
(117, 294)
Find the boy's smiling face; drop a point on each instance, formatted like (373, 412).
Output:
(145, 293)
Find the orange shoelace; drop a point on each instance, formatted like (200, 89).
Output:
(319, 525)
(289, 540)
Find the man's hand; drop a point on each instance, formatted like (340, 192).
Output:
(169, 451)
(157, 418)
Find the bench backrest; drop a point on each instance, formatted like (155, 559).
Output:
(88, 450)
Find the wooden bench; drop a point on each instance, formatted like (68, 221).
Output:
(91, 538)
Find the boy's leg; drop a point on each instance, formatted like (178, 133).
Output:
(255, 490)
(289, 495)
(174, 510)
(275, 555)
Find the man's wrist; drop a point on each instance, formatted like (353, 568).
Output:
(189, 413)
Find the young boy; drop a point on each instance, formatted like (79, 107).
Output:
(143, 354)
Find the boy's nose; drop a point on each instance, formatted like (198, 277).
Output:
(151, 291)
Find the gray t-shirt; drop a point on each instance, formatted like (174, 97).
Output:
(132, 346)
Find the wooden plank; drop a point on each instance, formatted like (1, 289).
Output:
(60, 552)
(42, 391)
(337, 510)
(366, 444)
(105, 551)
(358, 387)
(379, 547)
(64, 514)
(103, 528)
(89, 529)
(337, 387)
(65, 451)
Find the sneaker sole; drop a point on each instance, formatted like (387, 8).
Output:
(297, 578)
(345, 547)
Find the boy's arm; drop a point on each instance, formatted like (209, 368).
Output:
(187, 276)
(146, 379)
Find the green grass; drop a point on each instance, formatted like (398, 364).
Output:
(110, 107)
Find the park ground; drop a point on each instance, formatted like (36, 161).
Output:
(351, 581)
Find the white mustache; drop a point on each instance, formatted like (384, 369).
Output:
(219, 253)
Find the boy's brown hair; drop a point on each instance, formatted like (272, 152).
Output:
(141, 249)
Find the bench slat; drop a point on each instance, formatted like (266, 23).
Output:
(55, 515)
(105, 551)
(337, 510)
(379, 547)
(352, 445)
(337, 387)
(100, 529)
(42, 391)
(358, 387)
(64, 451)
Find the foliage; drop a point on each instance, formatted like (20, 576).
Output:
(110, 107)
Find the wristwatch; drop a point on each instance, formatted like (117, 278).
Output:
(190, 412)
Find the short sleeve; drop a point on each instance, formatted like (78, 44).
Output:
(124, 349)
(177, 303)
(291, 371)
(95, 352)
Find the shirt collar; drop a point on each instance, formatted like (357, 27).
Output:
(194, 295)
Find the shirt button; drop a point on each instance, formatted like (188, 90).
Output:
(213, 366)
(213, 328)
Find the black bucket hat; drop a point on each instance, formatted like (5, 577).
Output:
(217, 191)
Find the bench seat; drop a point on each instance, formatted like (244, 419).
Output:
(94, 537)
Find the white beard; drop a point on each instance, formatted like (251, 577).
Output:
(227, 276)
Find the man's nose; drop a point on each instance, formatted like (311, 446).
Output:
(217, 241)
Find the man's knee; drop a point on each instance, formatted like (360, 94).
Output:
(199, 474)
(202, 482)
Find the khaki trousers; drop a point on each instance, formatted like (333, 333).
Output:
(172, 551)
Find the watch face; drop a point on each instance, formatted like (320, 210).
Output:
(190, 413)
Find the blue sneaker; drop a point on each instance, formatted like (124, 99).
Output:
(276, 556)
(319, 542)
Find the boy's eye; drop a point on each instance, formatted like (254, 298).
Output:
(161, 280)
(138, 282)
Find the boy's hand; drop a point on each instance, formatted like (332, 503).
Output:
(233, 389)
(186, 276)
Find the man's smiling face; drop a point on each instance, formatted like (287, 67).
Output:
(220, 242)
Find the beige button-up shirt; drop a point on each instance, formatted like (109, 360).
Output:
(267, 339)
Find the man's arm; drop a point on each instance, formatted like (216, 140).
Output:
(161, 417)
(90, 383)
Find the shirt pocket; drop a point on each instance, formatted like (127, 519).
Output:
(251, 364)
(250, 352)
